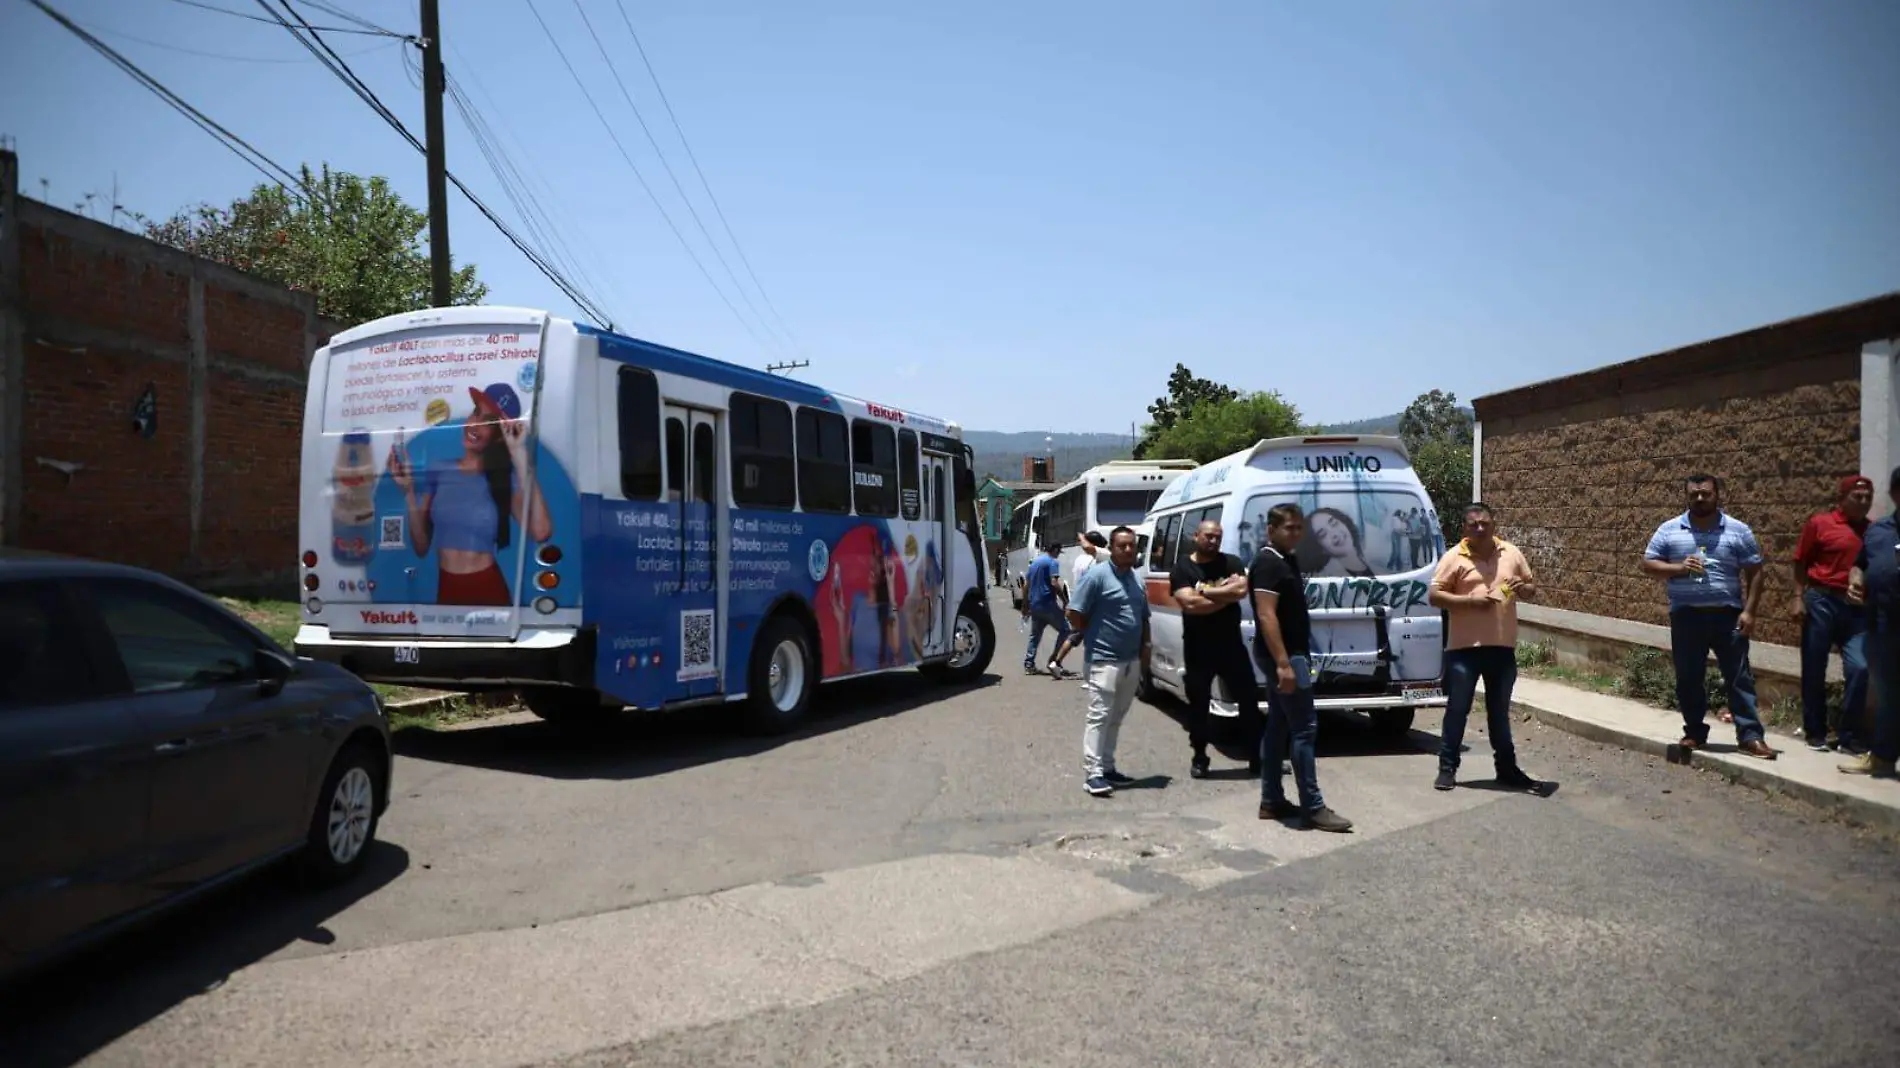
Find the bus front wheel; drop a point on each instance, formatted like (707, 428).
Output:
(781, 677)
(972, 644)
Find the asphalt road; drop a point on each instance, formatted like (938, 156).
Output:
(919, 879)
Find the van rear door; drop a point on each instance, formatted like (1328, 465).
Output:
(426, 443)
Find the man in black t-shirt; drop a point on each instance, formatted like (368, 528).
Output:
(1282, 640)
(1209, 585)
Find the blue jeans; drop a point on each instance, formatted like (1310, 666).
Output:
(1693, 635)
(1883, 654)
(1292, 718)
(1832, 624)
(1497, 666)
(1040, 618)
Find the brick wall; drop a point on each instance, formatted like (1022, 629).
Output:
(92, 317)
(1583, 469)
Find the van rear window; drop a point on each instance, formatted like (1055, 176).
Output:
(1353, 532)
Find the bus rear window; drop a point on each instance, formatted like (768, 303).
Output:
(1123, 508)
(1354, 533)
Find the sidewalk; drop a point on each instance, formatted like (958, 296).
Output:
(1799, 773)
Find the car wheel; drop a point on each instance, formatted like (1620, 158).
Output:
(348, 810)
(781, 677)
(1392, 722)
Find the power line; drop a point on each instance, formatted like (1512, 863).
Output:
(615, 138)
(322, 50)
(222, 55)
(704, 184)
(668, 167)
(372, 29)
(273, 172)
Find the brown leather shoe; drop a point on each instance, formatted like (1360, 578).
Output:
(1758, 749)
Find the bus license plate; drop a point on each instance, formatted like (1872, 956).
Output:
(408, 654)
(1416, 694)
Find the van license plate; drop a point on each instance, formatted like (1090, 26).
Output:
(408, 654)
(1422, 693)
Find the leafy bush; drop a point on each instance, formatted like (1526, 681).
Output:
(1650, 675)
(1535, 654)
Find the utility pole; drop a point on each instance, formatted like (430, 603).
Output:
(775, 368)
(433, 83)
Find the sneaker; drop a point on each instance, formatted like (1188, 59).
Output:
(1197, 768)
(1098, 786)
(1280, 810)
(1871, 765)
(1116, 778)
(1058, 671)
(1445, 781)
(1515, 778)
(1850, 747)
(1030, 669)
(1325, 819)
(1818, 746)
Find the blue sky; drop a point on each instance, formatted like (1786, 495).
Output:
(1020, 216)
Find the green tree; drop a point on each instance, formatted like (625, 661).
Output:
(1215, 428)
(1445, 468)
(1434, 416)
(351, 241)
(1185, 392)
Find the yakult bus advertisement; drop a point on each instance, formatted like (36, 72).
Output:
(436, 487)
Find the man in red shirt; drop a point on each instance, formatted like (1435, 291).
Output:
(1823, 559)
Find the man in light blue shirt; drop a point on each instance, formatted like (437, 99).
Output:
(1109, 606)
(1712, 564)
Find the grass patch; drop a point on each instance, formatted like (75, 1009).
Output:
(1649, 675)
(280, 620)
(438, 715)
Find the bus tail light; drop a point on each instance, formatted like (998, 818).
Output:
(548, 555)
(309, 558)
(311, 582)
(547, 580)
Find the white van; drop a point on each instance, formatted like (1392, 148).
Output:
(1372, 542)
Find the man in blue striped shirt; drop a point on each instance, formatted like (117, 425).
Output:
(1712, 564)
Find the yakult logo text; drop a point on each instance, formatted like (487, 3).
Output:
(378, 618)
(882, 412)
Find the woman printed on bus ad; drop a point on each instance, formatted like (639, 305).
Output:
(462, 506)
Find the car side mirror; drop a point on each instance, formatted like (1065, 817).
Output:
(274, 671)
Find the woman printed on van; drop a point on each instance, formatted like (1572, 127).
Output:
(1338, 539)
(462, 507)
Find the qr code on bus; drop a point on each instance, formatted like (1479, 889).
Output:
(696, 644)
(392, 532)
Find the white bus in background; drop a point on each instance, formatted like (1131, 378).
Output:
(1020, 545)
(1115, 494)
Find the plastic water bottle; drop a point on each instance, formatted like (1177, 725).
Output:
(1702, 575)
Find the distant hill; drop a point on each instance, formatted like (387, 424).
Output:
(1001, 454)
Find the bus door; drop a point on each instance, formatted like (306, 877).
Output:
(940, 537)
(692, 483)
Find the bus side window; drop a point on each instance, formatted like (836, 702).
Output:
(639, 432)
(907, 472)
(762, 453)
(704, 474)
(675, 458)
(874, 468)
(824, 461)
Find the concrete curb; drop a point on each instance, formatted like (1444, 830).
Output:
(1759, 775)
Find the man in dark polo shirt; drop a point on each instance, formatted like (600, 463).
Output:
(1282, 636)
(1875, 583)
(1209, 585)
(1823, 559)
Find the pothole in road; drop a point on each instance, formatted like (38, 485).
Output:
(1115, 847)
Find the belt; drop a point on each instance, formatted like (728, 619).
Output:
(1708, 609)
(1838, 592)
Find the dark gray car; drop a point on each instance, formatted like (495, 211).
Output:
(153, 745)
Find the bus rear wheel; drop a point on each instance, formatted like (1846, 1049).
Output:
(781, 677)
(972, 644)
(565, 707)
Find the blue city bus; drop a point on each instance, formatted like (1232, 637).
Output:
(497, 498)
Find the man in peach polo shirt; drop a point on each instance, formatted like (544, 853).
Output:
(1477, 585)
